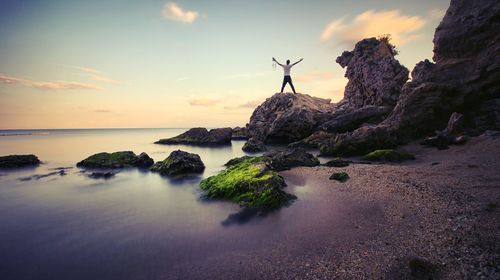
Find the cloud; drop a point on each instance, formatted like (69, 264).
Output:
(51, 85)
(103, 79)
(102, 111)
(172, 11)
(182, 78)
(371, 24)
(314, 75)
(96, 75)
(87, 70)
(203, 102)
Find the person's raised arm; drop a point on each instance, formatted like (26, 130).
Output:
(274, 59)
(298, 61)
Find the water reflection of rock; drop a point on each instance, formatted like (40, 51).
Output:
(61, 172)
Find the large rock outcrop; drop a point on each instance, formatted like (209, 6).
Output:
(375, 82)
(465, 78)
(288, 117)
(375, 76)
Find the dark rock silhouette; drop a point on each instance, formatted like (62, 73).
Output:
(15, 161)
(116, 160)
(179, 163)
(290, 158)
(201, 136)
(254, 146)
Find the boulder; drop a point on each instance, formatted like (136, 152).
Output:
(16, 161)
(288, 117)
(116, 160)
(340, 176)
(201, 136)
(337, 162)
(254, 146)
(249, 183)
(179, 163)
(290, 158)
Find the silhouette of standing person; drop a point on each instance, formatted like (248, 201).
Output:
(286, 69)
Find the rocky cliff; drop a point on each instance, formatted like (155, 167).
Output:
(465, 78)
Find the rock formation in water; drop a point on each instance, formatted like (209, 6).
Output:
(201, 136)
(179, 163)
(16, 161)
(116, 160)
(249, 182)
(465, 78)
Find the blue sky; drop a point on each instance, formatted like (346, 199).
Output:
(77, 64)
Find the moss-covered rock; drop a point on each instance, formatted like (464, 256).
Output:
(236, 160)
(116, 160)
(250, 183)
(179, 163)
(339, 176)
(15, 161)
(388, 155)
(337, 162)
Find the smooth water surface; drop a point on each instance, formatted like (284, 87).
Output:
(137, 225)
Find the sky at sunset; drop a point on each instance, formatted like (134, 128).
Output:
(111, 64)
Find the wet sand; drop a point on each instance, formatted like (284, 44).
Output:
(442, 207)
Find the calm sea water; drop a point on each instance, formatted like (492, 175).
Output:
(137, 225)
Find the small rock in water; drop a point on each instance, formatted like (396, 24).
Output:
(16, 161)
(179, 163)
(254, 146)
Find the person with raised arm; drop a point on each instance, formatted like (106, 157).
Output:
(286, 69)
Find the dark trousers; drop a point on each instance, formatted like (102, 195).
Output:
(287, 79)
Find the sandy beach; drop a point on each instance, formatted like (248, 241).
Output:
(441, 207)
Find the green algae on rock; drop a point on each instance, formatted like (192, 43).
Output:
(388, 155)
(340, 176)
(250, 183)
(116, 160)
(179, 163)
